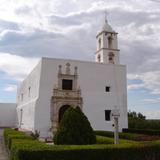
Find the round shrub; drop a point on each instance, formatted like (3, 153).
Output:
(74, 128)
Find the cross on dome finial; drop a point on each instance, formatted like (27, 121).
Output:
(105, 16)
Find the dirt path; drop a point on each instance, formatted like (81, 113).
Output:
(3, 153)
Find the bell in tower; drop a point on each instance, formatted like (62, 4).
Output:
(107, 45)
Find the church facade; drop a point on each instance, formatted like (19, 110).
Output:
(57, 84)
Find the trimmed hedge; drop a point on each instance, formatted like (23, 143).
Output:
(22, 145)
(27, 149)
(142, 131)
(143, 124)
(129, 136)
(12, 137)
(104, 140)
(34, 150)
(10, 134)
(108, 140)
(74, 129)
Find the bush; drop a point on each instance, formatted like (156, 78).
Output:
(11, 137)
(104, 140)
(22, 149)
(142, 131)
(143, 124)
(129, 136)
(10, 134)
(74, 128)
(22, 145)
(104, 133)
(34, 150)
(108, 140)
(36, 134)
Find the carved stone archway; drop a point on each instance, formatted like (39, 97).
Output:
(62, 110)
(65, 96)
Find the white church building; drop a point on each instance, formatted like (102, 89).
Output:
(57, 84)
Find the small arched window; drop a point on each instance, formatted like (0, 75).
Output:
(109, 42)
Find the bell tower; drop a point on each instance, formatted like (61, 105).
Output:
(107, 45)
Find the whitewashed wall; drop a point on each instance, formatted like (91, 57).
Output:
(93, 78)
(8, 115)
(26, 105)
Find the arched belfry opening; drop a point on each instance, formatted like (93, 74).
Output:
(99, 43)
(111, 57)
(62, 110)
(109, 42)
(66, 93)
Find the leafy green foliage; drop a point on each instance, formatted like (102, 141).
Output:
(144, 124)
(34, 150)
(108, 140)
(142, 131)
(135, 115)
(128, 136)
(10, 134)
(19, 146)
(35, 135)
(135, 119)
(26, 149)
(74, 128)
(139, 121)
(12, 137)
(104, 140)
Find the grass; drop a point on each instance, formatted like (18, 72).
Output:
(129, 136)
(108, 140)
(24, 148)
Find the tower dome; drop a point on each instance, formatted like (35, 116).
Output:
(107, 27)
(107, 45)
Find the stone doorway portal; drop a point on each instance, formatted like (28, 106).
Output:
(62, 111)
(66, 93)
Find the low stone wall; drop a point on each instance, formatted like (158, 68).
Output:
(8, 115)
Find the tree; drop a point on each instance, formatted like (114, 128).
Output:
(136, 120)
(141, 116)
(135, 115)
(74, 128)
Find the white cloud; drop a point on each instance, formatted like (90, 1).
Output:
(152, 114)
(73, 26)
(135, 86)
(71, 18)
(10, 88)
(151, 101)
(16, 67)
(61, 28)
(133, 76)
(149, 80)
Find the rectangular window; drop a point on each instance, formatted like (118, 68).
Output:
(107, 89)
(67, 84)
(107, 115)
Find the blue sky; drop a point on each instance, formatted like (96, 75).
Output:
(67, 29)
